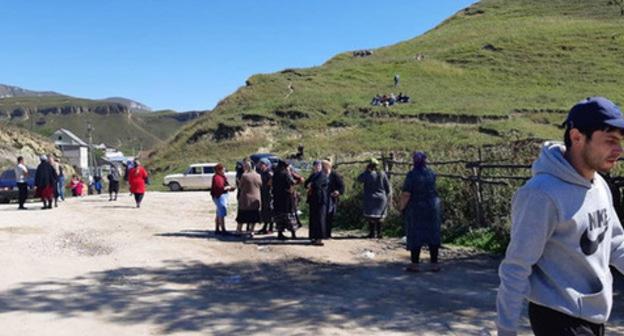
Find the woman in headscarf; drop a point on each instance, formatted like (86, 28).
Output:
(316, 168)
(219, 191)
(136, 178)
(45, 181)
(285, 199)
(266, 203)
(318, 199)
(113, 182)
(249, 186)
(376, 196)
(420, 206)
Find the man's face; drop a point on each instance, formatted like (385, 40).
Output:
(602, 151)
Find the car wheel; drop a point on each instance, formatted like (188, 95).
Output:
(174, 186)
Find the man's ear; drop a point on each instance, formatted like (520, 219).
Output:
(576, 136)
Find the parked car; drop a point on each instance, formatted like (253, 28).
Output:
(255, 158)
(8, 185)
(198, 176)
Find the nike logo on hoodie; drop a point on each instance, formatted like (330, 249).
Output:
(597, 219)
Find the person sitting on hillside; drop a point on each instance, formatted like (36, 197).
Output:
(392, 99)
(376, 101)
(402, 98)
(384, 100)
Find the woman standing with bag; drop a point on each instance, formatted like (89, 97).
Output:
(219, 192)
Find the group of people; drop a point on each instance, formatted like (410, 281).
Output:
(362, 53)
(389, 100)
(270, 195)
(78, 186)
(49, 182)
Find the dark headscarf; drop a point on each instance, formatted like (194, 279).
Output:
(419, 159)
(281, 165)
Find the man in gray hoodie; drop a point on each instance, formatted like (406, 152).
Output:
(565, 232)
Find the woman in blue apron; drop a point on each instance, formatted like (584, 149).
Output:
(421, 207)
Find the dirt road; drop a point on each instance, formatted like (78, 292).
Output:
(93, 267)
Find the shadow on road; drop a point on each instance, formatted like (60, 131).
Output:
(263, 297)
(233, 237)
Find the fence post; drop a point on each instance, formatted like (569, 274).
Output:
(384, 164)
(390, 165)
(476, 172)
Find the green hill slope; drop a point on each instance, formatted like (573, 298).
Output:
(499, 70)
(113, 123)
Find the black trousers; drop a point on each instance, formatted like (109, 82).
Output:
(330, 222)
(138, 198)
(547, 322)
(433, 252)
(22, 193)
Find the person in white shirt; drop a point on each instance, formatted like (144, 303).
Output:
(21, 174)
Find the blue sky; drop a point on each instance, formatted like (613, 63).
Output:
(189, 54)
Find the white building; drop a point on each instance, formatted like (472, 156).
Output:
(75, 151)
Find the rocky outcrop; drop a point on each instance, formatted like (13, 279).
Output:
(16, 142)
(26, 112)
(187, 116)
(132, 105)
(7, 91)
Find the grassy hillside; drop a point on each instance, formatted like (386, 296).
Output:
(499, 70)
(113, 123)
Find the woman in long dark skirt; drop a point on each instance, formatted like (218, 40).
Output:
(318, 199)
(249, 198)
(284, 200)
(266, 210)
(420, 206)
(376, 197)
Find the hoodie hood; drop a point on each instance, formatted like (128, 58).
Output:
(552, 162)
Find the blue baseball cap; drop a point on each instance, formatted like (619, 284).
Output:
(595, 111)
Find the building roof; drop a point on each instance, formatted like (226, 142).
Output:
(73, 136)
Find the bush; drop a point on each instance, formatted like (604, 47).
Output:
(461, 224)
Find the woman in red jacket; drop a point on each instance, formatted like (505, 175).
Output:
(136, 178)
(219, 192)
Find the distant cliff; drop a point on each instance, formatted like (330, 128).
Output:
(8, 91)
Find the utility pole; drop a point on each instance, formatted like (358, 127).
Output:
(91, 154)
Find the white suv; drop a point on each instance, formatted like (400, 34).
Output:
(198, 176)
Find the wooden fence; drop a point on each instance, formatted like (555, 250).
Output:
(475, 174)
